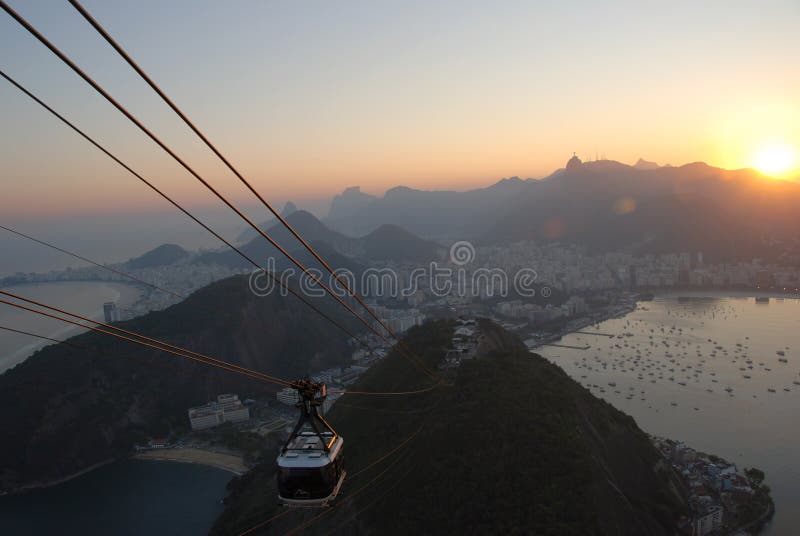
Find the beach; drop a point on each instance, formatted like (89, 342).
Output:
(226, 462)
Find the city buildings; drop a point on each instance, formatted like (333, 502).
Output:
(287, 396)
(227, 408)
(110, 312)
(708, 522)
(398, 320)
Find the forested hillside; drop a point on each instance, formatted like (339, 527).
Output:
(69, 407)
(509, 445)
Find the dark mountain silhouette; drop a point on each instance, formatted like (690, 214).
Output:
(390, 242)
(249, 234)
(644, 164)
(430, 214)
(67, 408)
(344, 205)
(309, 227)
(606, 205)
(340, 251)
(512, 446)
(161, 256)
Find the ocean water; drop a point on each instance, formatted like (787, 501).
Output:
(703, 370)
(131, 497)
(85, 298)
(126, 498)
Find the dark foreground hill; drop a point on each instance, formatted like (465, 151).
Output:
(68, 408)
(513, 446)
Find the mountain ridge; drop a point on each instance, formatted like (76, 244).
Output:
(582, 199)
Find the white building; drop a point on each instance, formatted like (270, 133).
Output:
(709, 522)
(110, 312)
(287, 396)
(398, 320)
(227, 408)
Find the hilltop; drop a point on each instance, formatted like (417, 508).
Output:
(161, 256)
(388, 242)
(393, 243)
(513, 446)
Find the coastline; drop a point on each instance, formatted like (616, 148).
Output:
(225, 462)
(578, 324)
(17, 350)
(732, 292)
(763, 524)
(50, 483)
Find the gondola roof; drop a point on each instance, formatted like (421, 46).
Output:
(306, 450)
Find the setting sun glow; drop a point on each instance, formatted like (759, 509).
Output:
(775, 159)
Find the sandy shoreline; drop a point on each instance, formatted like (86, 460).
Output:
(226, 462)
(49, 484)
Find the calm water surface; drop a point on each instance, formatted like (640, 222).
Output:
(725, 351)
(85, 298)
(127, 498)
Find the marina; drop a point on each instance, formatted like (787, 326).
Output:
(705, 370)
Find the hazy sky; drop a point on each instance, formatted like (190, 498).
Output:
(310, 97)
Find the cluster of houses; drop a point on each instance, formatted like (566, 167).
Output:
(714, 485)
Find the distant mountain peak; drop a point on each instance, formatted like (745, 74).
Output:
(162, 255)
(510, 181)
(645, 164)
(398, 190)
(288, 208)
(574, 163)
(352, 190)
(392, 242)
(303, 218)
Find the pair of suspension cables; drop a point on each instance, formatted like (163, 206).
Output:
(400, 347)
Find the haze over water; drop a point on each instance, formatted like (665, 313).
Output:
(85, 298)
(706, 342)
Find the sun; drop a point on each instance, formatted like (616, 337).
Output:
(775, 159)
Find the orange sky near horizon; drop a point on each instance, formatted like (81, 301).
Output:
(308, 100)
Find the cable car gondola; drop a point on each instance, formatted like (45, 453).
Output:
(311, 463)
